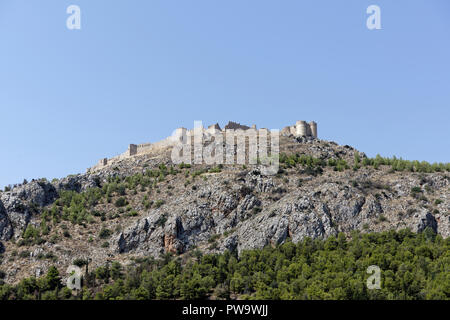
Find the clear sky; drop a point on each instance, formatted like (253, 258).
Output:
(139, 69)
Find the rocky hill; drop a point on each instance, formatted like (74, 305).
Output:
(145, 205)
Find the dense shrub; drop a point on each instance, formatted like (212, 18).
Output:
(120, 202)
(104, 233)
(79, 262)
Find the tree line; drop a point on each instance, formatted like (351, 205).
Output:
(413, 266)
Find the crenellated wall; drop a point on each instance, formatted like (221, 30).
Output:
(301, 128)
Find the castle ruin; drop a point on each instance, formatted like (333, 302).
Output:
(299, 129)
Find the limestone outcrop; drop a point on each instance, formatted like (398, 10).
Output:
(17, 206)
(215, 208)
(250, 220)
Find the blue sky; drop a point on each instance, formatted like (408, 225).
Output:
(139, 69)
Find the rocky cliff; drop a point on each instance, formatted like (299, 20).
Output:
(145, 205)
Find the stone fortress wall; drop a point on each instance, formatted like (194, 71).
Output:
(299, 129)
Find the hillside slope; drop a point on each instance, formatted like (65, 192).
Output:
(145, 206)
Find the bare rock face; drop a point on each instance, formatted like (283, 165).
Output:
(40, 193)
(173, 231)
(444, 225)
(261, 232)
(17, 206)
(371, 208)
(6, 231)
(78, 183)
(234, 208)
(425, 220)
(142, 236)
(16, 215)
(258, 183)
(243, 217)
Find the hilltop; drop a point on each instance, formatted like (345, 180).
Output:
(145, 205)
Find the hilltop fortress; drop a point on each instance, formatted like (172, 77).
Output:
(300, 129)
